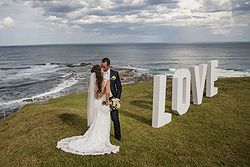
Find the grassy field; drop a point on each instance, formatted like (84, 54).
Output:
(215, 133)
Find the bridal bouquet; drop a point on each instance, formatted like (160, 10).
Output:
(114, 103)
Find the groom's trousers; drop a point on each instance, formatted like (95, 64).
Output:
(115, 119)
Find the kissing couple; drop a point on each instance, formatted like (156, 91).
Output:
(105, 85)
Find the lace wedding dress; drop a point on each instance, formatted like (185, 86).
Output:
(96, 140)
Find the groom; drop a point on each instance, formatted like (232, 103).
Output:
(116, 91)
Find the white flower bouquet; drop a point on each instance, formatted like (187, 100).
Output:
(114, 103)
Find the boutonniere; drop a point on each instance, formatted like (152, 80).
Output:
(113, 78)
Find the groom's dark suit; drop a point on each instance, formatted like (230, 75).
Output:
(116, 90)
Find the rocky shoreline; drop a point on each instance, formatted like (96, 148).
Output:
(128, 76)
(132, 76)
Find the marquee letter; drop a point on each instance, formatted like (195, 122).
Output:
(159, 117)
(211, 77)
(198, 77)
(181, 91)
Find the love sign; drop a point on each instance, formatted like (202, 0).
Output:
(183, 80)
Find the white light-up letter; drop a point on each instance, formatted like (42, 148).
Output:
(181, 91)
(159, 117)
(198, 77)
(211, 77)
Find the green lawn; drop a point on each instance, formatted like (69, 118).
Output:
(215, 133)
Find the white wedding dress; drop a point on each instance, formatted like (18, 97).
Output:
(96, 140)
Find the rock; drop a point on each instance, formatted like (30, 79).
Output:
(76, 65)
(69, 65)
(28, 100)
(85, 64)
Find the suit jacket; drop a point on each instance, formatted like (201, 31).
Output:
(115, 84)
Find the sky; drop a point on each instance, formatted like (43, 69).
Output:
(28, 22)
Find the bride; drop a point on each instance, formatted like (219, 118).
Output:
(96, 140)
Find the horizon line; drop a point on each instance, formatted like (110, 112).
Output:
(119, 43)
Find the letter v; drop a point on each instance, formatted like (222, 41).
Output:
(198, 76)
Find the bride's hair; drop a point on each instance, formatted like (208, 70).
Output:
(99, 77)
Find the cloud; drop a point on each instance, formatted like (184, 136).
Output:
(7, 22)
(4, 4)
(138, 16)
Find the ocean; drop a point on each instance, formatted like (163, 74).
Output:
(37, 71)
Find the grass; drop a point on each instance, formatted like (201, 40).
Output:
(215, 133)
